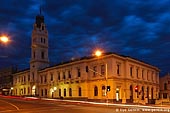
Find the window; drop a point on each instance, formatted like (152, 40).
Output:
(102, 70)
(58, 75)
(143, 73)
(24, 78)
(69, 74)
(64, 92)
(152, 75)
(147, 75)
(131, 71)
(79, 91)
(165, 86)
(64, 76)
(41, 39)
(45, 78)
(95, 70)
(118, 69)
(42, 54)
(78, 72)
(137, 72)
(45, 92)
(70, 92)
(95, 91)
(28, 77)
(59, 93)
(51, 76)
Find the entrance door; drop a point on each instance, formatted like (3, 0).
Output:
(131, 93)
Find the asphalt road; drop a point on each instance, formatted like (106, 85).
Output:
(21, 105)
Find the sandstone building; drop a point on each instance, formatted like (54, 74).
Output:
(110, 77)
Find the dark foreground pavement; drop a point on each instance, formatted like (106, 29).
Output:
(22, 105)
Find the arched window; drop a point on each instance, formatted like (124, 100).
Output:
(95, 91)
(64, 92)
(59, 93)
(70, 92)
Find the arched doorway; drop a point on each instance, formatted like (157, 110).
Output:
(131, 93)
(142, 93)
(148, 92)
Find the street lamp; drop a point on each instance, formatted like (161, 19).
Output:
(98, 53)
(4, 39)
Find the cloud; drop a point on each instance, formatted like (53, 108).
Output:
(136, 28)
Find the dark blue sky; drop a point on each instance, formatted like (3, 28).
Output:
(136, 28)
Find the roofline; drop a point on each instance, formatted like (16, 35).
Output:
(22, 71)
(85, 58)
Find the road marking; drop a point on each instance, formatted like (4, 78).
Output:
(11, 104)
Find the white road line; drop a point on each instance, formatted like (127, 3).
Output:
(11, 104)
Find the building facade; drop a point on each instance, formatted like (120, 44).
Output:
(111, 77)
(165, 87)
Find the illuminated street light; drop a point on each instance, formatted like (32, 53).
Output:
(98, 53)
(4, 39)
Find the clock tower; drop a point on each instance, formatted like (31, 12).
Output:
(39, 51)
(39, 46)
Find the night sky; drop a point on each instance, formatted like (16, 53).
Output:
(136, 28)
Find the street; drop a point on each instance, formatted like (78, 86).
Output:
(22, 105)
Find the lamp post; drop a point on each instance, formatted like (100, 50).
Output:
(98, 53)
